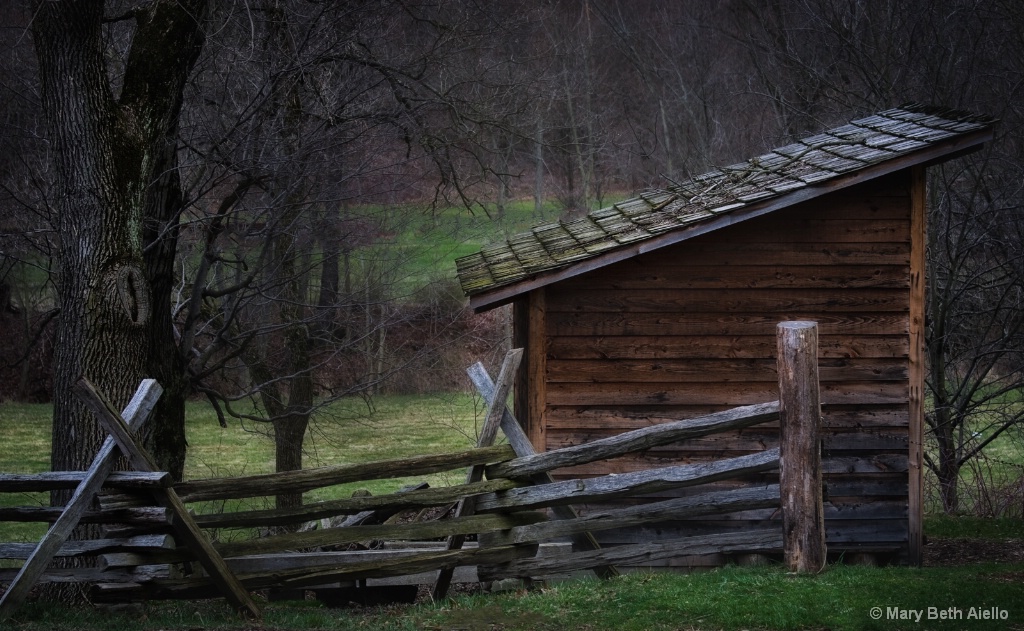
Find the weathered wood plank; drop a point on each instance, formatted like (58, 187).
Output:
(610, 487)
(615, 419)
(81, 575)
(137, 411)
(716, 370)
(831, 465)
(309, 479)
(637, 347)
(719, 324)
(469, 525)
(643, 553)
(719, 251)
(523, 447)
(862, 531)
(145, 516)
(803, 512)
(58, 480)
(756, 301)
(731, 394)
(804, 230)
(181, 520)
(191, 588)
(680, 508)
(636, 440)
(918, 269)
(319, 510)
(90, 547)
(492, 421)
(765, 274)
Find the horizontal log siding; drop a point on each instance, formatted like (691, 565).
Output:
(690, 329)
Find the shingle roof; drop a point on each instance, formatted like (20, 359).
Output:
(855, 146)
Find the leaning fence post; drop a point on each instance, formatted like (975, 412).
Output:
(803, 513)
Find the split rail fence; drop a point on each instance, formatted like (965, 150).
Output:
(153, 546)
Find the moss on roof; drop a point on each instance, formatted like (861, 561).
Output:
(857, 145)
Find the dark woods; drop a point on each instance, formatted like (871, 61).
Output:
(210, 192)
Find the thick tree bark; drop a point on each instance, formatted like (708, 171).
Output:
(103, 295)
(107, 153)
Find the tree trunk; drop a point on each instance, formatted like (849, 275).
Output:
(106, 153)
(103, 293)
(289, 432)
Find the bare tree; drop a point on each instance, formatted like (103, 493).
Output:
(820, 61)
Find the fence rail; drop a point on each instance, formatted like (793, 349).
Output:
(515, 509)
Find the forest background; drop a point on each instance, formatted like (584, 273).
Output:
(258, 202)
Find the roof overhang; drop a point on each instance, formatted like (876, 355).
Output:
(936, 153)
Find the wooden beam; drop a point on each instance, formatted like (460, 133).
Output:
(746, 541)
(918, 266)
(420, 498)
(537, 371)
(627, 484)
(181, 520)
(645, 514)
(520, 442)
(309, 479)
(56, 480)
(137, 411)
(472, 524)
(803, 513)
(492, 421)
(636, 440)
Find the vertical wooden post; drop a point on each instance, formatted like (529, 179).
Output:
(918, 243)
(803, 512)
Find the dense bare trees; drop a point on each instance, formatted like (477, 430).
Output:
(225, 176)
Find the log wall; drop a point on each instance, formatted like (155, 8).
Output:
(690, 329)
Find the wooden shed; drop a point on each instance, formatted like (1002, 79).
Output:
(665, 306)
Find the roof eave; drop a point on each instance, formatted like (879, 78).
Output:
(941, 151)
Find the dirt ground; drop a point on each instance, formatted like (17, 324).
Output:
(950, 552)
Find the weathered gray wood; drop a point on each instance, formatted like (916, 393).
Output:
(304, 577)
(803, 512)
(705, 504)
(420, 530)
(85, 575)
(393, 502)
(515, 435)
(519, 441)
(90, 547)
(137, 411)
(309, 479)
(57, 480)
(636, 440)
(622, 485)
(748, 541)
(489, 431)
(181, 520)
(151, 515)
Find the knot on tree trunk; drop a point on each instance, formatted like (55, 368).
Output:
(127, 289)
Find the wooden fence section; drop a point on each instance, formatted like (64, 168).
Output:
(150, 548)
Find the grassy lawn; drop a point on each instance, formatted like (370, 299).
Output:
(727, 598)
(348, 432)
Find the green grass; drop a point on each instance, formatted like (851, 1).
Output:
(966, 527)
(729, 598)
(347, 432)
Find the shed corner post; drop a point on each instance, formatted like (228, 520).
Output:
(803, 512)
(916, 396)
